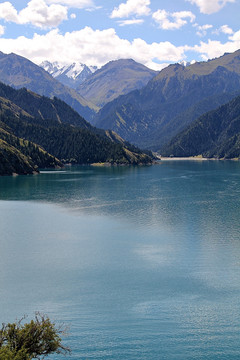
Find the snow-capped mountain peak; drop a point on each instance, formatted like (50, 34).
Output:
(69, 74)
(51, 68)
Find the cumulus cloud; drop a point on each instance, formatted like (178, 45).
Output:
(212, 48)
(130, 22)
(92, 47)
(41, 15)
(80, 4)
(131, 7)
(236, 38)
(210, 6)
(172, 21)
(8, 12)
(36, 13)
(202, 29)
(226, 29)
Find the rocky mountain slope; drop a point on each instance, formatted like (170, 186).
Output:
(151, 116)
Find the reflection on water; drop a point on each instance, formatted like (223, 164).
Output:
(141, 262)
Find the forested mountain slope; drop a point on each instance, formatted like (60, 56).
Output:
(28, 119)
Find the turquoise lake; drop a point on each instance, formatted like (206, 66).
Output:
(141, 263)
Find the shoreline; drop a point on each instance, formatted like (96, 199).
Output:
(193, 158)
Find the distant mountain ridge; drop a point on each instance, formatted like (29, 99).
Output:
(115, 78)
(19, 72)
(100, 86)
(151, 116)
(71, 75)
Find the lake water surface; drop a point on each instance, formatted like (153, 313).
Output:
(140, 262)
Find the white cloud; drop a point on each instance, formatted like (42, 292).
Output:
(178, 19)
(236, 38)
(41, 15)
(226, 29)
(36, 13)
(80, 4)
(210, 6)
(202, 29)
(212, 48)
(73, 16)
(155, 66)
(92, 47)
(130, 22)
(8, 12)
(2, 30)
(131, 7)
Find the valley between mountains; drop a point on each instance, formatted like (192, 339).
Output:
(52, 114)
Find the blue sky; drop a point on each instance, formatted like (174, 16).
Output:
(152, 32)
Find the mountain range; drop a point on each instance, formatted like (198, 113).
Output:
(167, 113)
(100, 86)
(151, 116)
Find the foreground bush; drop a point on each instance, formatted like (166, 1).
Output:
(34, 340)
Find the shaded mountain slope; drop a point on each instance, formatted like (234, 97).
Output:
(42, 107)
(215, 134)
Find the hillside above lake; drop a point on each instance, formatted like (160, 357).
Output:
(36, 131)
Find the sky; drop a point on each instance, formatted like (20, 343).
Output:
(94, 32)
